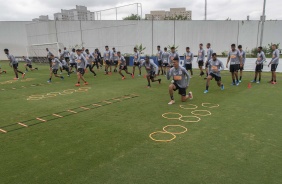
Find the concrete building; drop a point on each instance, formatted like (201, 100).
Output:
(80, 13)
(174, 13)
(41, 18)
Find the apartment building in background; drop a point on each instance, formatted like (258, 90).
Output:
(174, 13)
(79, 13)
(41, 18)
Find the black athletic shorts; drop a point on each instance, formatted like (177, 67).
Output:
(136, 63)
(108, 62)
(29, 66)
(160, 62)
(181, 91)
(206, 65)
(165, 64)
(241, 68)
(115, 62)
(55, 71)
(201, 63)
(123, 67)
(234, 68)
(188, 66)
(15, 66)
(67, 58)
(73, 64)
(152, 74)
(88, 66)
(65, 67)
(81, 71)
(258, 68)
(217, 78)
(274, 67)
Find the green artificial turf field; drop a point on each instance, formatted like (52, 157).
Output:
(240, 142)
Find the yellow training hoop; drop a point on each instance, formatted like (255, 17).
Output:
(54, 93)
(185, 129)
(161, 132)
(84, 88)
(194, 113)
(36, 96)
(182, 106)
(34, 99)
(205, 105)
(50, 95)
(164, 115)
(189, 121)
(69, 91)
(65, 93)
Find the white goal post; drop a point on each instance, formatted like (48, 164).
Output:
(38, 53)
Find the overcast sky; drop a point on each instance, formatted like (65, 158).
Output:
(25, 10)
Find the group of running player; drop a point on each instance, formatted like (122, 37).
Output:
(168, 64)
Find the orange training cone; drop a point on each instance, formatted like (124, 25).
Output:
(249, 85)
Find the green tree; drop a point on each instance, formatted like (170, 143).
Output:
(266, 49)
(169, 47)
(176, 17)
(132, 17)
(140, 48)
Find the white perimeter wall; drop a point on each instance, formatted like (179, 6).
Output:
(124, 35)
(14, 37)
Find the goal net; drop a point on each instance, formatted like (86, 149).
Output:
(38, 53)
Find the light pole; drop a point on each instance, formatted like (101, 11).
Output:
(205, 9)
(262, 24)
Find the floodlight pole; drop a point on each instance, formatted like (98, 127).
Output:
(262, 24)
(205, 9)
(116, 14)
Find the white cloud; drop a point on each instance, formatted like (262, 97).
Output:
(24, 10)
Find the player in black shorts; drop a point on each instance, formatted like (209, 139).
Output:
(259, 65)
(136, 61)
(274, 63)
(151, 69)
(215, 66)
(49, 58)
(201, 58)
(235, 61)
(55, 67)
(28, 64)
(160, 61)
(122, 65)
(115, 59)
(14, 63)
